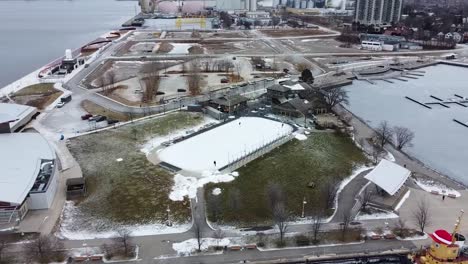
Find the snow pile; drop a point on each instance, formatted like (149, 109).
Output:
(224, 144)
(188, 247)
(73, 229)
(301, 137)
(429, 186)
(417, 237)
(216, 191)
(187, 186)
(380, 215)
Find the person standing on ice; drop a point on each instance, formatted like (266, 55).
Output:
(214, 162)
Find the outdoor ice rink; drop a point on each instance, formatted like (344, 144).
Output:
(223, 144)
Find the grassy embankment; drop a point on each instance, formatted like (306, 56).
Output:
(295, 165)
(38, 95)
(133, 190)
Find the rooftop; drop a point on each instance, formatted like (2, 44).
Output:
(12, 113)
(20, 162)
(389, 176)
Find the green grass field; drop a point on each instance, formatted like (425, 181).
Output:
(323, 156)
(132, 191)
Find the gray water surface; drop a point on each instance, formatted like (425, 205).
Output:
(34, 33)
(439, 142)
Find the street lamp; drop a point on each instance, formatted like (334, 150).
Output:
(168, 210)
(304, 202)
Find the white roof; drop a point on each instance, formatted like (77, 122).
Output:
(10, 112)
(296, 87)
(20, 161)
(388, 176)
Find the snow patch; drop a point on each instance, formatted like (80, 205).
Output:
(425, 236)
(187, 247)
(216, 191)
(70, 230)
(429, 186)
(301, 137)
(382, 215)
(187, 186)
(119, 159)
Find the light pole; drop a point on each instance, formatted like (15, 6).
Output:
(168, 210)
(304, 202)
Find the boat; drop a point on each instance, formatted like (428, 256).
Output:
(445, 248)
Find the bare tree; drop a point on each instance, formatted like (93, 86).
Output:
(376, 152)
(403, 137)
(44, 250)
(400, 228)
(383, 134)
(194, 79)
(280, 217)
(365, 198)
(316, 224)
(151, 88)
(124, 242)
(274, 194)
(335, 96)
(109, 82)
(198, 233)
(422, 215)
(346, 218)
(218, 234)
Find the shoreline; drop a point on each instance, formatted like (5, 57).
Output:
(452, 182)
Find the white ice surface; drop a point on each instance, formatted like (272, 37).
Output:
(223, 144)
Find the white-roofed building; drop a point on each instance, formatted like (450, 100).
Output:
(28, 175)
(14, 116)
(388, 176)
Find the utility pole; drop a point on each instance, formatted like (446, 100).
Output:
(304, 202)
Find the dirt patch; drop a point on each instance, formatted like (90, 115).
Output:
(196, 50)
(293, 32)
(38, 95)
(95, 109)
(165, 47)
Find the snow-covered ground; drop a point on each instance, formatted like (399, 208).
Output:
(187, 186)
(189, 246)
(378, 215)
(429, 186)
(180, 48)
(70, 229)
(218, 147)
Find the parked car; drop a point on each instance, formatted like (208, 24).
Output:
(101, 118)
(224, 80)
(86, 117)
(270, 79)
(112, 121)
(60, 104)
(95, 118)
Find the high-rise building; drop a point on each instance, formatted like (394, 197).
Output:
(378, 12)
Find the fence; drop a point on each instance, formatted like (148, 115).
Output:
(254, 154)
